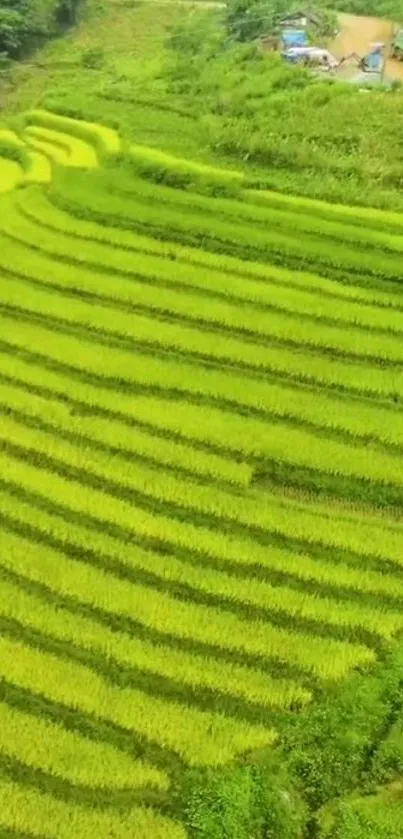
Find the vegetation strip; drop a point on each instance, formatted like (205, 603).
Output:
(201, 423)
(46, 746)
(268, 600)
(193, 670)
(273, 296)
(24, 809)
(326, 456)
(79, 153)
(252, 559)
(236, 238)
(200, 447)
(196, 310)
(202, 733)
(36, 207)
(381, 550)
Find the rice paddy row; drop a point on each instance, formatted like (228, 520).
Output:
(165, 600)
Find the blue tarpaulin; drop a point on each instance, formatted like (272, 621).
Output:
(294, 38)
(374, 60)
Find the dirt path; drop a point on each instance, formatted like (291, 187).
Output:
(356, 35)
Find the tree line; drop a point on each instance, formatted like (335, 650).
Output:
(27, 22)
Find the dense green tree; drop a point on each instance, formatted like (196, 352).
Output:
(11, 30)
(247, 19)
(22, 22)
(67, 11)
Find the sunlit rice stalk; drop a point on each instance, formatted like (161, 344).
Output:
(146, 267)
(200, 423)
(199, 737)
(106, 140)
(318, 526)
(80, 153)
(284, 445)
(43, 745)
(23, 809)
(36, 207)
(192, 671)
(245, 554)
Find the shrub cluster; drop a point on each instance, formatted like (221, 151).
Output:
(325, 754)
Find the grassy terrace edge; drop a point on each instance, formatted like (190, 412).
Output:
(120, 368)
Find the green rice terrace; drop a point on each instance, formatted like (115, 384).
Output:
(201, 488)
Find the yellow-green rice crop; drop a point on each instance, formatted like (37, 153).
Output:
(199, 309)
(140, 208)
(361, 378)
(36, 207)
(38, 814)
(53, 151)
(382, 466)
(275, 295)
(189, 338)
(303, 449)
(348, 240)
(180, 172)
(274, 599)
(177, 373)
(324, 656)
(41, 744)
(363, 536)
(9, 136)
(36, 166)
(40, 170)
(245, 554)
(203, 424)
(131, 441)
(365, 216)
(192, 670)
(281, 218)
(80, 154)
(10, 174)
(200, 737)
(105, 139)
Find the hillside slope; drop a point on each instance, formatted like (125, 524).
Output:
(200, 452)
(201, 484)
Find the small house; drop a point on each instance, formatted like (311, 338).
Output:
(300, 19)
(292, 30)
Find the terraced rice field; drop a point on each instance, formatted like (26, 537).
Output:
(200, 475)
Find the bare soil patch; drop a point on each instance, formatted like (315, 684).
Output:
(357, 33)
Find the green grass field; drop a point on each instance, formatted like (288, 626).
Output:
(201, 479)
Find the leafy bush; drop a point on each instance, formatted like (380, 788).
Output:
(370, 817)
(247, 19)
(11, 30)
(245, 802)
(328, 746)
(388, 760)
(93, 58)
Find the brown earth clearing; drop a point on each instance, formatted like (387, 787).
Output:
(357, 33)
